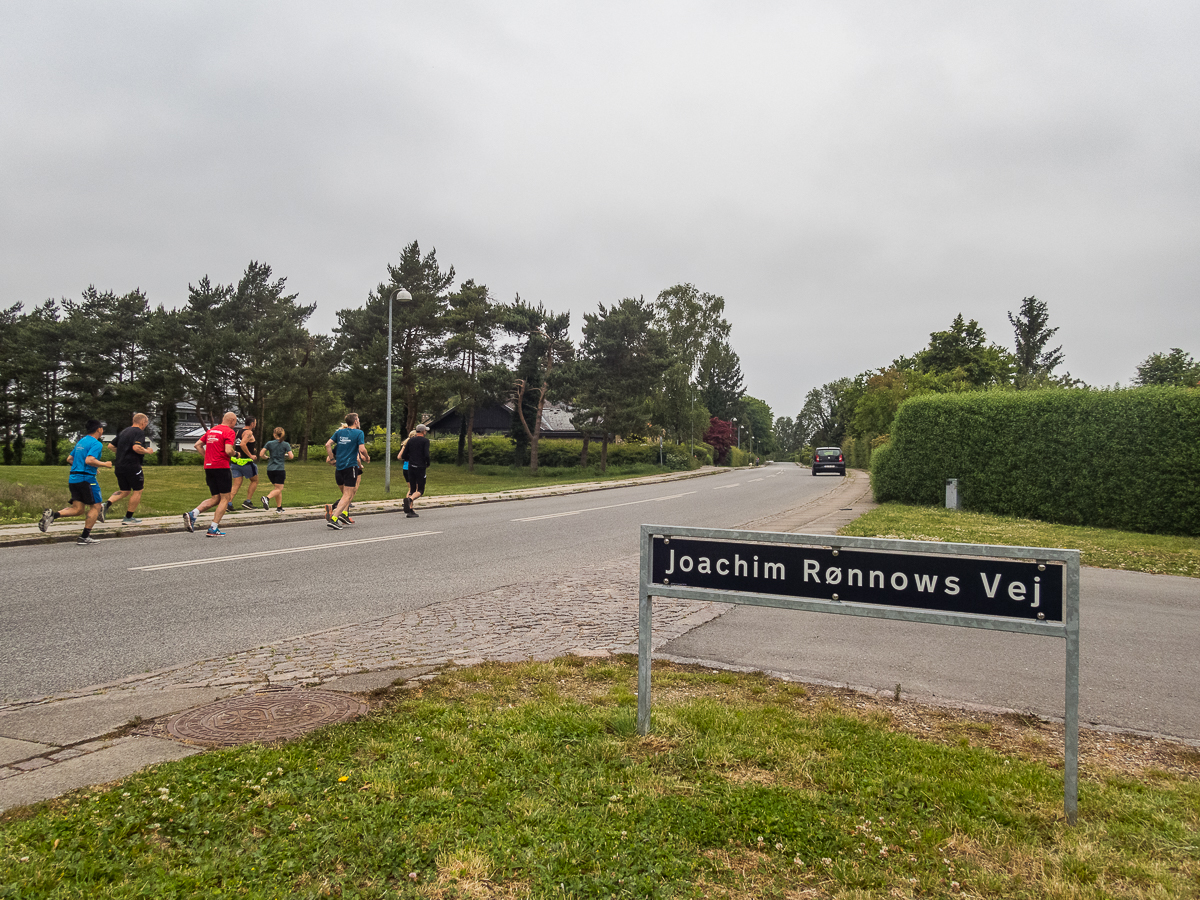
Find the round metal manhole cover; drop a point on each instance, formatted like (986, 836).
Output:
(268, 717)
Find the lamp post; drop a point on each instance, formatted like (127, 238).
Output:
(739, 432)
(403, 296)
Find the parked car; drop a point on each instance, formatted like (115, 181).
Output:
(828, 459)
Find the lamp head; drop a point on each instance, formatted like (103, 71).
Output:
(402, 295)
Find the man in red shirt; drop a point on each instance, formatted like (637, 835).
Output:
(217, 446)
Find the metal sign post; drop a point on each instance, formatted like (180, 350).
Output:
(1028, 590)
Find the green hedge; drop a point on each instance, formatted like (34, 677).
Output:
(496, 450)
(1126, 459)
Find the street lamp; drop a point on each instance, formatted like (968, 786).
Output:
(403, 296)
(739, 432)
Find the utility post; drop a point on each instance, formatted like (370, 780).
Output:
(403, 296)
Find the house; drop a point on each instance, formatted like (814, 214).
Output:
(497, 418)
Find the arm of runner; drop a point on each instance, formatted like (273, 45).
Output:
(141, 448)
(199, 445)
(92, 461)
(262, 454)
(329, 451)
(364, 454)
(291, 455)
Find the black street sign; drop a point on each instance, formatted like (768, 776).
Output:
(983, 587)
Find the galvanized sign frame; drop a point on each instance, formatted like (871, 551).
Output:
(1067, 628)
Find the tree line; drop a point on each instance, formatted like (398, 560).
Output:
(858, 411)
(659, 369)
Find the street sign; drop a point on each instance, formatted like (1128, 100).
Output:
(1029, 590)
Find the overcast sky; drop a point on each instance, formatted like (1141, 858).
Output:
(848, 176)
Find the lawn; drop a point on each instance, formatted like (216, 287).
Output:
(529, 780)
(1106, 548)
(26, 490)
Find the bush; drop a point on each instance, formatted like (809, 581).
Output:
(1112, 459)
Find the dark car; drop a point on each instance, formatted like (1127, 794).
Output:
(828, 459)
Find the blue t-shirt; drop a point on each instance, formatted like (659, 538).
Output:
(80, 470)
(346, 442)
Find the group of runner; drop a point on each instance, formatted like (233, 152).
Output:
(229, 459)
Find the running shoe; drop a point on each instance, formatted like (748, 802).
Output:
(266, 502)
(131, 521)
(84, 541)
(214, 532)
(103, 510)
(247, 504)
(189, 521)
(229, 508)
(411, 514)
(408, 504)
(334, 523)
(345, 519)
(47, 518)
(279, 509)
(328, 513)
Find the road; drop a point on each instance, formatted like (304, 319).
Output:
(74, 616)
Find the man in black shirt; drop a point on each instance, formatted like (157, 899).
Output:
(131, 445)
(416, 453)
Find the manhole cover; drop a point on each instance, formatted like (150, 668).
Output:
(267, 717)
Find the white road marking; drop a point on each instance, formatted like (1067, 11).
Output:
(726, 487)
(576, 512)
(752, 480)
(330, 546)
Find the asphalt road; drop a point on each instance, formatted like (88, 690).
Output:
(1138, 636)
(72, 616)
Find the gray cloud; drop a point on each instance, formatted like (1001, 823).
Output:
(849, 177)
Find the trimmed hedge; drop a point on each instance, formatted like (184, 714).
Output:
(1126, 459)
(497, 450)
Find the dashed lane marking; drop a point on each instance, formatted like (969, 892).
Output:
(576, 512)
(726, 487)
(331, 546)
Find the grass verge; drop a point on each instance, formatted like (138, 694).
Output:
(1105, 548)
(26, 490)
(529, 780)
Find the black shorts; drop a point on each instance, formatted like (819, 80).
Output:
(85, 492)
(131, 481)
(348, 477)
(276, 477)
(220, 481)
(416, 479)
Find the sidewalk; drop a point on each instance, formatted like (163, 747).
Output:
(52, 745)
(16, 535)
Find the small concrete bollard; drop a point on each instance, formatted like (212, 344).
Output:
(953, 500)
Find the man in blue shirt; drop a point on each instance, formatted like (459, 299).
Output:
(85, 490)
(347, 451)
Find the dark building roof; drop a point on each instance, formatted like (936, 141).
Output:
(497, 418)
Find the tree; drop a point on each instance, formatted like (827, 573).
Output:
(163, 378)
(788, 435)
(41, 367)
(622, 355)
(719, 378)
(313, 364)
(1034, 364)
(1176, 367)
(418, 327)
(546, 347)
(472, 321)
(268, 327)
(720, 436)
(828, 411)
(963, 348)
(757, 417)
(105, 345)
(11, 389)
(207, 361)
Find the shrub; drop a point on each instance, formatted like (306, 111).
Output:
(1113, 459)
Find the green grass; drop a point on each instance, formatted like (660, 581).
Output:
(26, 490)
(529, 780)
(1105, 548)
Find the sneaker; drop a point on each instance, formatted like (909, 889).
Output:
(328, 513)
(411, 514)
(189, 521)
(279, 509)
(47, 518)
(407, 504)
(130, 520)
(247, 504)
(213, 531)
(103, 511)
(266, 502)
(87, 540)
(345, 519)
(229, 508)
(334, 523)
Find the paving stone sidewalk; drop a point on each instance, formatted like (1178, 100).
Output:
(593, 612)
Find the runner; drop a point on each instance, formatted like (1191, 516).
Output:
(347, 450)
(85, 490)
(217, 446)
(277, 453)
(131, 445)
(244, 465)
(416, 455)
